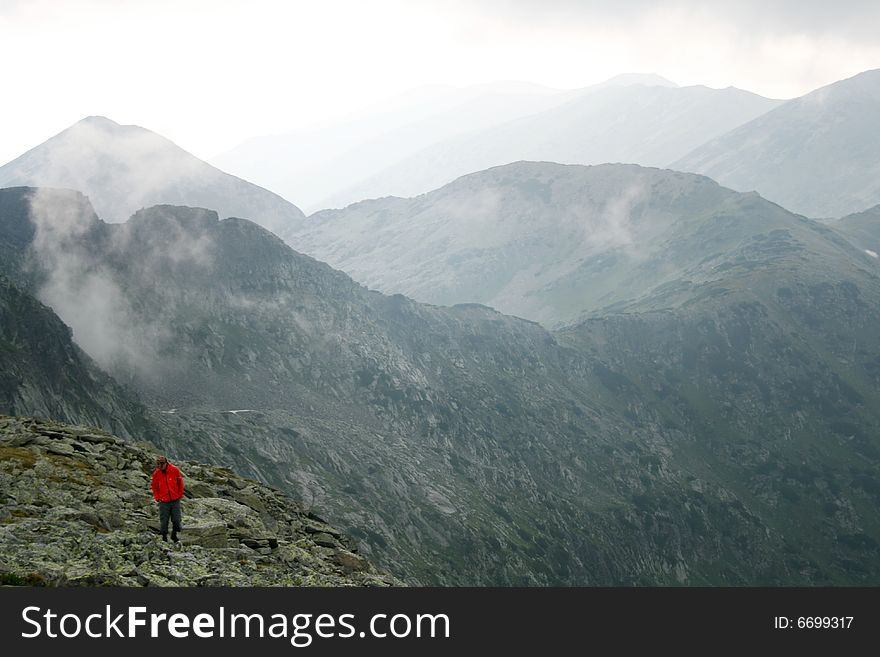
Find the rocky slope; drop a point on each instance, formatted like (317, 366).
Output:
(43, 372)
(816, 155)
(77, 510)
(769, 402)
(123, 168)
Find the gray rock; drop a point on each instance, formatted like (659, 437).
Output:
(64, 449)
(325, 540)
(211, 534)
(200, 489)
(98, 438)
(249, 498)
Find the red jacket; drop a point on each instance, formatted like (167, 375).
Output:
(168, 485)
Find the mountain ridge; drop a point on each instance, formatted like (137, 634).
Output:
(540, 240)
(312, 164)
(815, 155)
(628, 124)
(459, 445)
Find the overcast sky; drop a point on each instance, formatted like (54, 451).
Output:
(209, 73)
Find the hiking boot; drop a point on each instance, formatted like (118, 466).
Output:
(174, 537)
(165, 537)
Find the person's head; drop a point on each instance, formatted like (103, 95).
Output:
(162, 462)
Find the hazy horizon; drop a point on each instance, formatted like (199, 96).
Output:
(210, 75)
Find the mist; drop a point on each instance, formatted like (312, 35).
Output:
(89, 276)
(501, 237)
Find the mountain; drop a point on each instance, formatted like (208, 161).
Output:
(462, 446)
(816, 155)
(42, 371)
(647, 125)
(630, 79)
(539, 240)
(342, 396)
(862, 228)
(770, 361)
(77, 511)
(124, 168)
(313, 164)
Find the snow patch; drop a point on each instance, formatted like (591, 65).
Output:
(871, 253)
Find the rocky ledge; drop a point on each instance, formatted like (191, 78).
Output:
(76, 509)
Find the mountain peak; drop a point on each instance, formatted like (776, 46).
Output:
(181, 213)
(90, 126)
(871, 75)
(98, 120)
(123, 168)
(645, 79)
(174, 218)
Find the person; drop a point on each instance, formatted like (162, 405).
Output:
(168, 489)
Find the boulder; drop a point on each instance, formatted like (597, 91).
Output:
(209, 534)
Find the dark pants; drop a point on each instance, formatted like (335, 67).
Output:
(169, 510)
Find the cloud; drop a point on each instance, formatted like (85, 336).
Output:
(81, 291)
(217, 77)
(106, 281)
(778, 49)
(848, 19)
(614, 226)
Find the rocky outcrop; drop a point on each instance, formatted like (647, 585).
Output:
(77, 510)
